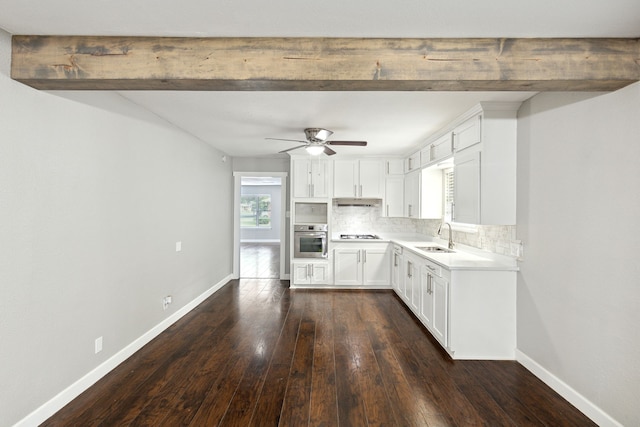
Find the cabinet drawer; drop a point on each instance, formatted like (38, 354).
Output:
(434, 269)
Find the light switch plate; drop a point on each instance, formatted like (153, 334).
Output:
(178, 246)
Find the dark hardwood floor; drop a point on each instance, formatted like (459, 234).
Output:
(259, 354)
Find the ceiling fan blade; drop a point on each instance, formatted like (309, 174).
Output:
(328, 151)
(290, 149)
(352, 143)
(290, 140)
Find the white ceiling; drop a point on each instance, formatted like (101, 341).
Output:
(392, 122)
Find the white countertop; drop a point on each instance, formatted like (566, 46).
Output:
(464, 257)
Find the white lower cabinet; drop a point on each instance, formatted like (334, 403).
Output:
(361, 265)
(310, 273)
(472, 313)
(397, 275)
(434, 301)
(412, 281)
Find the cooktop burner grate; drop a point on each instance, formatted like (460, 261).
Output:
(359, 236)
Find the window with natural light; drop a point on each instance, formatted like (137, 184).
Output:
(255, 211)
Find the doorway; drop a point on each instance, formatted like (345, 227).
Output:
(260, 225)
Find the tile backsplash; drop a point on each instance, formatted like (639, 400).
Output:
(498, 239)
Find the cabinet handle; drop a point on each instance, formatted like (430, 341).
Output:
(430, 284)
(409, 267)
(388, 167)
(395, 260)
(360, 190)
(364, 256)
(313, 191)
(387, 211)
(311, 265)
(358, 257)
(431, 268)
(453, 143)
(453, 212)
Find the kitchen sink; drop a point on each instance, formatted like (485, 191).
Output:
(434, 249)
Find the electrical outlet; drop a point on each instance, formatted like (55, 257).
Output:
(178, 246)
(166, 301)
(98, 345)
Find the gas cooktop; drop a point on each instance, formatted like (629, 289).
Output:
(358, 236)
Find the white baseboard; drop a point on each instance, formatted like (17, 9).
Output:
(74, 390)
(587, 407)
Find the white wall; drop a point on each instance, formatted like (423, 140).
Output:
(579, 219)
(91, 205)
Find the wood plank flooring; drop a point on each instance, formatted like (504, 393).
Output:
(259, 260)
(259, 354)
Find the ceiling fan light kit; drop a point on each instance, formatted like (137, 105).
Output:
(315, 150)
(317, 143)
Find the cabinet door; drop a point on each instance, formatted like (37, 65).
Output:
(442, 148)
(301, 178)
(301, 273)
(319, 173)
(411, 275)
(345, 178)
(467, 134)
(394, 167)
(375, 267)
(347, 267)
(412, 195)
(440, 293)
(394, 197)
(412, 162)
(319, 273)
(466, 195)
(397, 275)
(370, 179)
(426, 298)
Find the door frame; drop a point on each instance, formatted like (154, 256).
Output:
(237, 178)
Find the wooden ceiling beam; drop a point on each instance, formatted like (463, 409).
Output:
(324, 64)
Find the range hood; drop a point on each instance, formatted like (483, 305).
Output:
(348, 201)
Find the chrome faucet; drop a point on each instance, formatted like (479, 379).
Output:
(450, 234)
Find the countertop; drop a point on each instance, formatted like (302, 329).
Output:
(464, 257)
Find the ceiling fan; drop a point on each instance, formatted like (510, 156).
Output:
(317, 143)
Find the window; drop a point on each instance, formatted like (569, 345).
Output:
(255, 211)
(448, 180)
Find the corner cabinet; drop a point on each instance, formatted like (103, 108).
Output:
(310, 178)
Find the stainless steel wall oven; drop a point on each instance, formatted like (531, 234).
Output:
(310, 241)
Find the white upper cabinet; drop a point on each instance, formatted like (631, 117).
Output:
(468, 133)
(358, 178)
(485, 172)
(310, 178)
(393, 167)
(412, 162)
(466, 192)
(412, 195)
(394, 196)
(440, 149)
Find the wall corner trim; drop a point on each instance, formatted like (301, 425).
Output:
(587, 407)
(49, 408)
